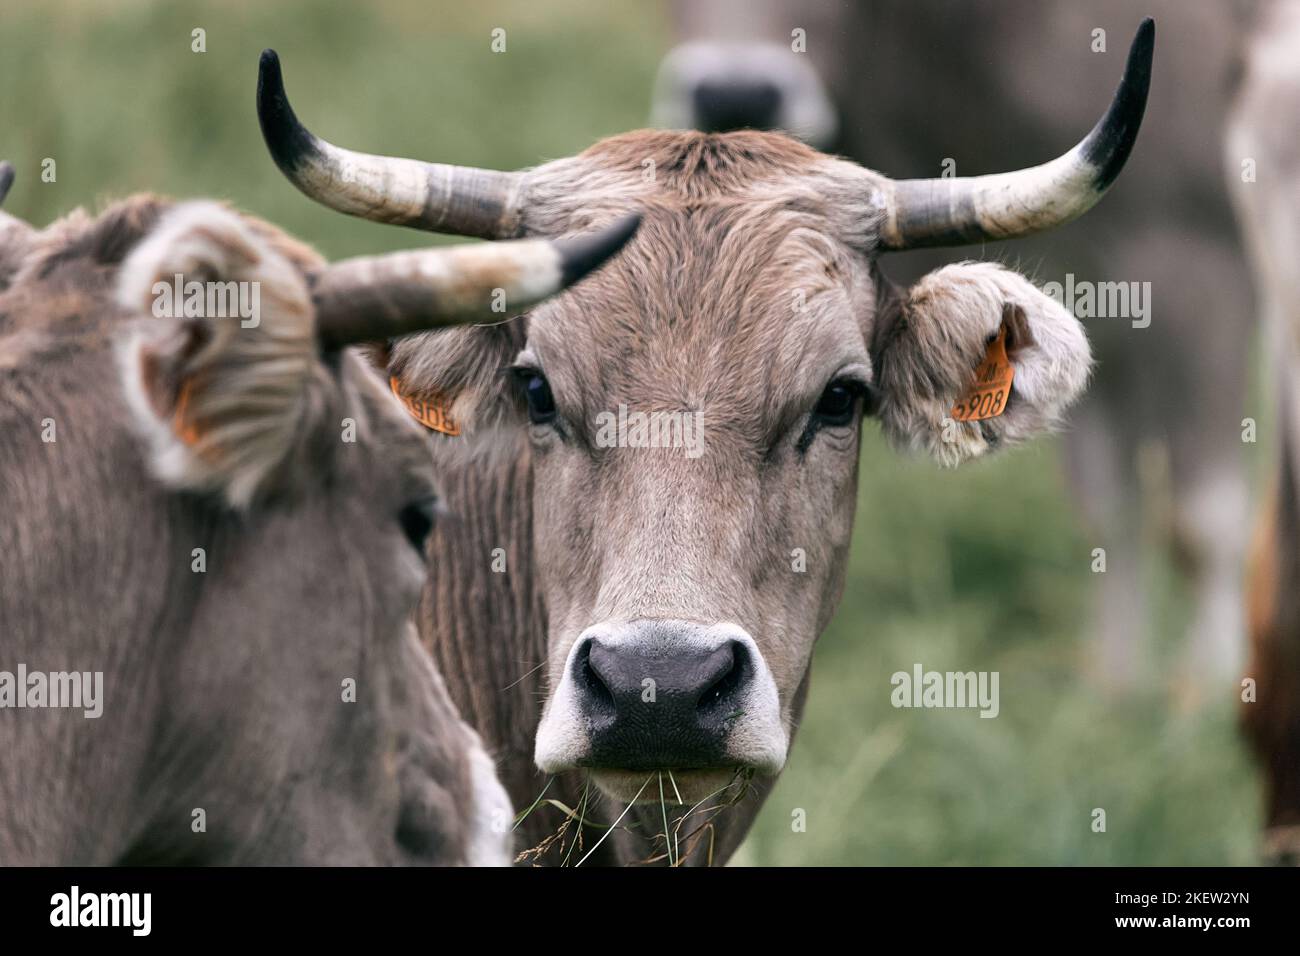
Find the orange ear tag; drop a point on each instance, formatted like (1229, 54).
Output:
(184, 429)
(987, 397)
(431, 411)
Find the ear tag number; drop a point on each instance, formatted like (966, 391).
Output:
(987, 397)
(431, 411)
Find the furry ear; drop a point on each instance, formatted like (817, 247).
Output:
(225, 378)
(949, 323)
(465, 371)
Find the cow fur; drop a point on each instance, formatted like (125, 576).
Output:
(224, 686)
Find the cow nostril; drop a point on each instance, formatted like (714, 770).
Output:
(722, 692)
(589, 678)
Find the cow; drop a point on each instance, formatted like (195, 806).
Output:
(1263, 172)
(1153, 455)
(636, 621)
(211, 535)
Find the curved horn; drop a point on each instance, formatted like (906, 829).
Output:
(6, 179)
(460, 200)
(961, 210)
(381, 297)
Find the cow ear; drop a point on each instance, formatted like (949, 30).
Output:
(456, 381)
(962, 332)
(222, 372)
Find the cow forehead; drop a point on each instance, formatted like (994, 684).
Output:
(716, 299)
(683, 174)
(753, 258)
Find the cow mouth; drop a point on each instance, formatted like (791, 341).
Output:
(680, 787)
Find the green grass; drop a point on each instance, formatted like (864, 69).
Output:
(983, 568)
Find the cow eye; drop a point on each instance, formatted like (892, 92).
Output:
(416, 520)
(537, 392)
(837, 403)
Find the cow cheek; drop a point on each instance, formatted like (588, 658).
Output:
(564, 526)
(808, 585)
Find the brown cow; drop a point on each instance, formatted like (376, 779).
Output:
(637, 620)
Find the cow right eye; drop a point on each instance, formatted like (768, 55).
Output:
(416, 520)
(537, 393)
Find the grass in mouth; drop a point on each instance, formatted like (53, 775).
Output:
(525, 814)
(663, 808)
(679, 841)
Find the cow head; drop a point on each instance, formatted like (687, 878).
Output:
(222, 510)
(692, 415)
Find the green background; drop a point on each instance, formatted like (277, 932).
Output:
(985, 568)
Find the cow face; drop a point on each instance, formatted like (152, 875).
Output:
(695, 450)
(692, 416)
(224, 515)
(694, 443)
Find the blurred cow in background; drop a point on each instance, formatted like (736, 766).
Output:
(211, 526)
(1159, 433)
(1264, 145)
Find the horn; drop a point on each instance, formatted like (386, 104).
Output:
(961, 210)
(371, 298)
(6, 179)
(460, 200)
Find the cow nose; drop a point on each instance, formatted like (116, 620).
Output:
(655, 705)
(724, 105)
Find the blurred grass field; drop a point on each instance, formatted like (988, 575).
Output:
(985, 568)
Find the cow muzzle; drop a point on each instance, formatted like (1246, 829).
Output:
(663, 695)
